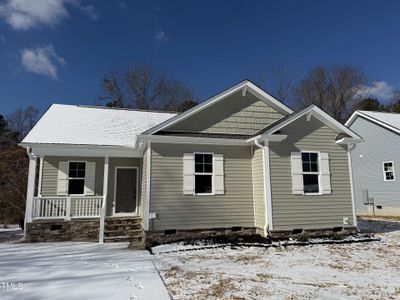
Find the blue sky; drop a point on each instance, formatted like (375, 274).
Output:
(57, 51)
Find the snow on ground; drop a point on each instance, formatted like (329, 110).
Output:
(10, 233)
(341, 271)
(72, 270)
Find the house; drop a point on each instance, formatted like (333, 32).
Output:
(376, 162)
(239, 162)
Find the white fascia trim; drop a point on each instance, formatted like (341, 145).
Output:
(353, 202)
(268, 137)
(250, 87)
(354, 116)
(83, 150)
(344, 141)
(192, 140)
(320, 115)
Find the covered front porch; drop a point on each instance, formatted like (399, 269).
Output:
(101, 192)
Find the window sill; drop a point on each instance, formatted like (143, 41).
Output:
(205, 194)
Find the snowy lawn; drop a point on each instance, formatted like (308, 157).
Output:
(348, 271)
(11, 233)
(74, 270)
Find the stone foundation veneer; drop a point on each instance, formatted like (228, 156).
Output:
(59, 230)
(160, 237)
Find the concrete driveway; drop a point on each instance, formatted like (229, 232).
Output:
(73, 270)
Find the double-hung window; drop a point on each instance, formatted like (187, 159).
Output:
(203, 173)
(76, 178)
(310, 172)
(388, 171)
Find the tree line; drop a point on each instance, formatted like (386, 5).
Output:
(14, 163)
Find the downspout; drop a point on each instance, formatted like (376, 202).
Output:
(263, 148)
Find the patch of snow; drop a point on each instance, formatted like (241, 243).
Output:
(73, 270)
(334, 271)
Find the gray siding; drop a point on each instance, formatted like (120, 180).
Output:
(258, 187)
(50, 175)
(178, 211)
(309, 212)
(380, 144)
(234, 115)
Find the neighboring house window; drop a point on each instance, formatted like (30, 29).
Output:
(203, 173)
(388, 171)
(310, 172)
(76, 178)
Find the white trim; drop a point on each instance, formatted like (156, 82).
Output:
(103, 209)
(83, 150)
(384, 172)
(74, 178)
(30, 190)
(148, 188)
(353, 117)
(202, 174)
(267, 180)
(320, 192)
(134, 213)
(192, 140)
(253, 185)
(346, 141)
(39, 187)
(268, 137)
(353, 201)
(250, 87)
(320, 115)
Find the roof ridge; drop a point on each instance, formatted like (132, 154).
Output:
(117, 108)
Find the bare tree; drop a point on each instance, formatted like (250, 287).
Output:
(277, 80)
(21, 121)
(334, 89)
(142, 87)
(112, 88)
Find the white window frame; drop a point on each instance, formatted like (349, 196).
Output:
(202, 174)
(74, 178)
(384, 172)
(312, 173)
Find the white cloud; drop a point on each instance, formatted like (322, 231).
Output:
(27, 14)
(161, 36)
(377, 89)
(42, 60)
(90, 11)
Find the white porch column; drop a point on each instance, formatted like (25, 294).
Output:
(104, 205)
(39, 190)
(30, 191)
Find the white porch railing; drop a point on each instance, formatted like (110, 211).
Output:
(67, 207)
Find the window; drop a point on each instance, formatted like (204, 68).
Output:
(76, 178)
(388, 171)
(203, 173)
(310, 172)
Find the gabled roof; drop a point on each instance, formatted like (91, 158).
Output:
(83, 125)
(318, 113)
(244, 86)
(390, 121)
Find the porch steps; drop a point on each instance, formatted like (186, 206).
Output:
(124, 229)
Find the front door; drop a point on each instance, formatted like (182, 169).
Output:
(126, 188)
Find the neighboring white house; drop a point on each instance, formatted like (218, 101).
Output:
(376, 162)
